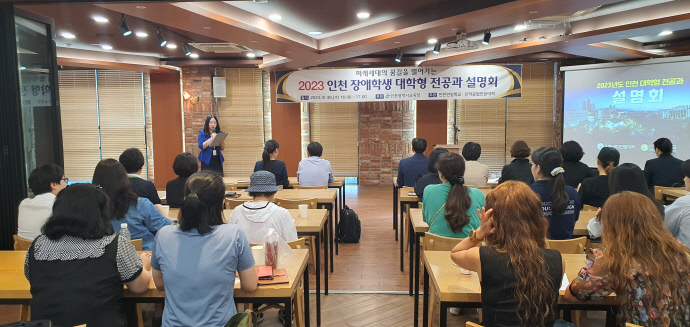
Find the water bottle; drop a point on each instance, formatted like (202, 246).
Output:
(125, 232)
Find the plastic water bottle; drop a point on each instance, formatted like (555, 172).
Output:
(125, 232)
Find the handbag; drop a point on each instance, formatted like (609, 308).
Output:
(241, 319)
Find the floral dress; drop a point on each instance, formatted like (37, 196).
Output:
(638, 305)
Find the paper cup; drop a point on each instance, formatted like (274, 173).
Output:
(303, 210)
(259, 256)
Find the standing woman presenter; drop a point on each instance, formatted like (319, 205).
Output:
(210, 156)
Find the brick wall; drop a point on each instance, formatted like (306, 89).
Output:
(266, 83)
(385, 132)
(149, 171)
(197, 82)
(558, 109)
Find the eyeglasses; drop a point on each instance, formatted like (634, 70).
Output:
(66, 180)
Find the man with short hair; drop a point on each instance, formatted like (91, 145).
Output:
(45, 182)
(314, 171)
(133, 161)
(415, 166)
(665, 170)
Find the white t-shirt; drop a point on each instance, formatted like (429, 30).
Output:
(33, 213)
(256, 218)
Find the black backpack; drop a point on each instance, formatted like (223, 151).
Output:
(349, 227)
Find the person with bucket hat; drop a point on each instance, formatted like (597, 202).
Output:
(595, 190)
(257, 216)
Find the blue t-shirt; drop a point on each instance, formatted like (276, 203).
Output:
(561, 226)
(143, 221)
(199, 273)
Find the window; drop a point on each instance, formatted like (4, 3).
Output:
(335, 126)
(484, 122)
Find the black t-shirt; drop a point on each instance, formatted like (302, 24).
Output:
(174, 192)
(424, 181)
(144, 189)
(576, 172)
(594, 191)
(278, 169)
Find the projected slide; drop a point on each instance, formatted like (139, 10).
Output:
(628, 108)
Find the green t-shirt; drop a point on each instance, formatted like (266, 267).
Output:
(435, 197)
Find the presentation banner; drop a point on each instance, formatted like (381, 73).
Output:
(399, 84)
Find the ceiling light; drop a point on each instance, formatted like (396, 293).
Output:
(437, 48)
(664, 33)
(534, 12)
(251, 55)
(106, 47)
(123, 26)
(487, 37)
(159, 39)
(363, 15)
(194, 55)
(185, 49)
(100, 19)
(275, 17)
(207, 27)
(68, 35)
(315, 33)
(398, 57)
(260, 1)
(397, 42)
(142, 34)
(171, 46)
(22, 68)
(432, 41)
(520, 27)
(141, 7)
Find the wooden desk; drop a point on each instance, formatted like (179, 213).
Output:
(454, 289)
(312, 225)
(674, 193)
(420, 228)
(403, 199)
(581, 223)
(161, 195)
(15, 289)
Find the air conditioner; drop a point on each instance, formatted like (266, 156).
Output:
(221, 47)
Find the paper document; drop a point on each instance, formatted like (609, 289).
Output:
(565, 282)
(220, 137)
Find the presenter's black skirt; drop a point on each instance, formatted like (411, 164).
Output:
(214, 165)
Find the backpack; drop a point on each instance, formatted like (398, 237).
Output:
(349, 227)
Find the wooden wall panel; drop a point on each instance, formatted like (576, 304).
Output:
(431, 122)
(286, 124)
(166, 115)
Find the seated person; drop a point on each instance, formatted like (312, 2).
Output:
(665, 170)
(677, 218)
(45, 182)
(595, 190)
(560, 202)
(195, 262)
(414, 167)
(257, 216)
(515, 267)
(430, 178)
(450, 208)
(133, 161)
(575, 170)
(314, 171)
(185, 165)
(476, 174)
(271, 163)
(76, 268)
(143, 219)
(643, 264)
(519, 169)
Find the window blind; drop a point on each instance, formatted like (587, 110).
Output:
(484, 122)
(336, 127)
(241, 115)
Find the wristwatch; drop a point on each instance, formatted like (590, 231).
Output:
(473, 236)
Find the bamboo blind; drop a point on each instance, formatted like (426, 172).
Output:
(484, 122)
(79, 114)
(335, 126)
(241, 115)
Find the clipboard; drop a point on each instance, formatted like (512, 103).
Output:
(220, 137)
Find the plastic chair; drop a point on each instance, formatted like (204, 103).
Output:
(573, 246)
(21, 244)
(294, 204)
(320, 187)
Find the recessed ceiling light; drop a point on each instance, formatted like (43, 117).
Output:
(315, 33)
(534, 12)
(363, 15)
(432, 41)
(68, 35)
(318, 59)
(141, 7)
(260, 1)
(288, 51)
(207, 27)
(22, 68)
(275, 17)
(100, 19)
(254, 41)
(543, 59)
(520, 27)
(142, 34)
(366, 64)
(172, 46)
(622, 35)
(664, 33)
(397, 42)
(251, 55)
(106, 47)
(194, 55)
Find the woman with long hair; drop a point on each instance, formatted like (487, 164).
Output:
(195, 262)
(211, 157)
(642, 263)
(520, 277)
(78, 265)
(626, 177)
(519, 169)
(269, 162)
(142, 217)
(595, 190)
(560, 202)
(450, 208)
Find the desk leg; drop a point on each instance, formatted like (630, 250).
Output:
(288, 313)
(337, 218)
(425, 299)
(444, 314)
(317, 267)
(416, 280)
(325, 262)
(411, 250)
(307, 320)
(611, 316)
(395, 210)
(402, 237)
(132, 316)
(331, 227)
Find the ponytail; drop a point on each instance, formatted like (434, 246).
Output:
(550, 161)
(194, 214)
(269, 147)
(203, 206)
(609, 168)
(559, 195)
(452, 168)
(266, 158)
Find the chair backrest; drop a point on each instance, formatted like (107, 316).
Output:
(588, 207)
(300, 243)
(138, 244)
(294, 204)
(255, 244)
(230, 187)
(573, 246)
(320, 187)
(231, 203)
(658, 192)
(434, 242)
(627, 324)
(20, 243)
(471, 324)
